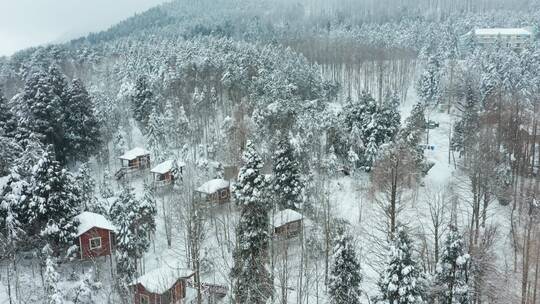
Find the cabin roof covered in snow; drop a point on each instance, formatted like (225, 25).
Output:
(501, 31)
(286, 216)
(89, 220)
(166, 166)
(134, 153)
(160, 280)
(214, 185)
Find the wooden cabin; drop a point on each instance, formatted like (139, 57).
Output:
(162, 285)
(287, 223)
(137, 158)
(95, 235)
(167, 172)
(215, 191)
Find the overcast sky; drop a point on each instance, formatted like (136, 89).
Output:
(25, 23)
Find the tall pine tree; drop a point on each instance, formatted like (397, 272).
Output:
(54, 202)
(251, 279)
(287, 184)
(451, 280)
(142, 101)
(81, 127)
(345, 277)
(135, 220)
(402, 282)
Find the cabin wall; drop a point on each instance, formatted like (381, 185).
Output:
(289, 229)
(106, 243)
(221, 196)
(173, 295)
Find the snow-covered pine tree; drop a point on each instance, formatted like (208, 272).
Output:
(12, 196)
(182, 128)
(6, 117)
(54, 202)
(345, 277)
(287, 183)
(370, 155)
(80, 124)
(156, 136)
(251, 279)
(465, 130)
(135, 220)
(119, 143)
(42, 111)
(402, 281)
(429, 87)
(10, 151)
(126, 251)
(142, 101)
(451, 280)
(87, 189)
(51, 278)
(389, 118)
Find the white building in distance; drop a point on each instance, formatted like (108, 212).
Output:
(516, 38)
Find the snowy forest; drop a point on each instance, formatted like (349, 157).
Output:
(277, 151)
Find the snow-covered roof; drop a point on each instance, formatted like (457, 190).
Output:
(501, 31)
(286, 216)
(134, 153)
(89, 220)
(213, 185)
(167, 166)
(164, 167)
(160, 280)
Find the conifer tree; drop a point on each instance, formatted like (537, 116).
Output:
(80, 124)
(6, 117)
(54, 201)
(465, 129)
(51, 278)
(251, 279)
(87, 189)
(42, 110)
(156, 136)
(287, 183)
(135, 220)
(142, 101)
(345, 277)
(370, 155)
(429, 86)
(402, 282)
(451, 280)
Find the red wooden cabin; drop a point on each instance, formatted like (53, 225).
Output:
(95, 235)
(163, 285)
(215, 191)
(134, 159)
(167, 172)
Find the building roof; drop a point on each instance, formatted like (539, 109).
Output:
(161, 279)
(501, 31)
(213, 185)
(167, 166)
(89, 220)
(134, 153)
(286, 216)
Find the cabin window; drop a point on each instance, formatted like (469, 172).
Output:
(223, 193)
(95, 243)
(144, 299)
